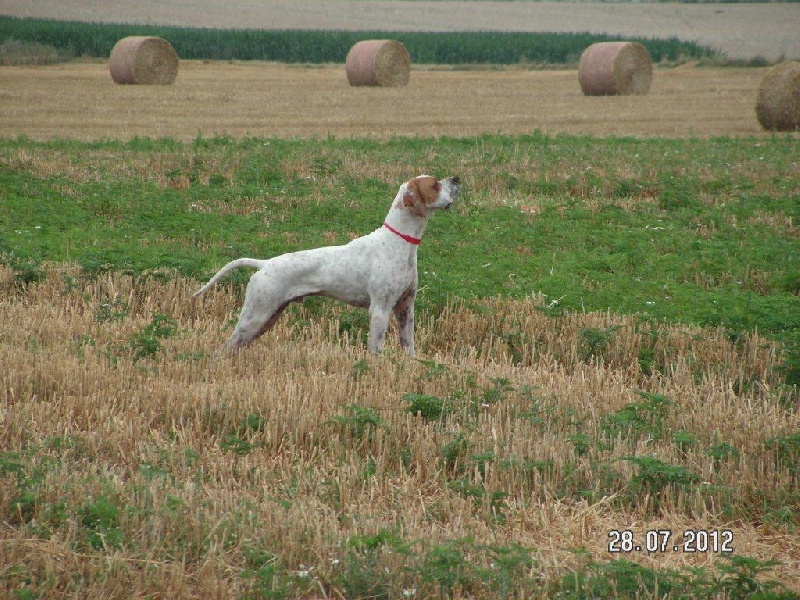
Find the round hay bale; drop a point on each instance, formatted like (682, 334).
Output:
(384, 63)
(778, 104)
(143, 60)
(615, 69)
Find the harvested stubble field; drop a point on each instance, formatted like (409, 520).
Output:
(267, 100)
(150, 468)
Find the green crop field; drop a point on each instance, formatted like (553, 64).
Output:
(97, 40)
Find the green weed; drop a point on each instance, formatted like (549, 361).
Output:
(454, 454)
(433, 369)
(722, 451)
(581, 442)
(429, 407)
(684, 440)
(735, 577)
(787, 452)
(146, 343)
(594, 342)
(741, 577)
(464, 567)
(10, 462)
(445, 567)
(646, 360)
(492, 502)
(498, 392)
(655, 477)
(517, 341)
(252, 423)
(359, 422)
(383, 538)
(26, 271)
(265, 577)
(360, 368)
(638, 418)
(237, 445)
(790, 367)
(509, 570)
(112, 310)
(785, 515)
(361, 574)
(363, 571)
(100, 519)
(23, 507)
(242, 440)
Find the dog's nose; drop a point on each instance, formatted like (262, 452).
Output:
(455, 179)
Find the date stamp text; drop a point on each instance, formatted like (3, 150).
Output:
(717, 541)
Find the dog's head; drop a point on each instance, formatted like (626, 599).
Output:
(425, 193)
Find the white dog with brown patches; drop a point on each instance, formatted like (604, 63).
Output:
(377, 271)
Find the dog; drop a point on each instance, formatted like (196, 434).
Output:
(377, 271)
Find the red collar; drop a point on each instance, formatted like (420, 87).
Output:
(408, 238)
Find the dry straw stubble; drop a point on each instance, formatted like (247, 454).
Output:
(215, 456)
(778, 104)
(384, 63)
(615, 69)
(143, 60)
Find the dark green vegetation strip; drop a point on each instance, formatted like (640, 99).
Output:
(97, 40)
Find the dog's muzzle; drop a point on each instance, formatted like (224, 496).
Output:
(455, 190)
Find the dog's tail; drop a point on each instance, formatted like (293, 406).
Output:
(234, 264)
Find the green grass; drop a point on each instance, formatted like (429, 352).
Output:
(621, 225)
(97, 40)
(618, 225)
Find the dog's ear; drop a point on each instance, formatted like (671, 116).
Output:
(413, 201)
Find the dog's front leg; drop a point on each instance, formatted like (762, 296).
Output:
(378, 323)
(404, 314)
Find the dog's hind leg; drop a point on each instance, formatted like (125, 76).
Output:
(264, 302)
(253, 324)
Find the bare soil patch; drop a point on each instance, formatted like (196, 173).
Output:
(263, 99)
(742, 31)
